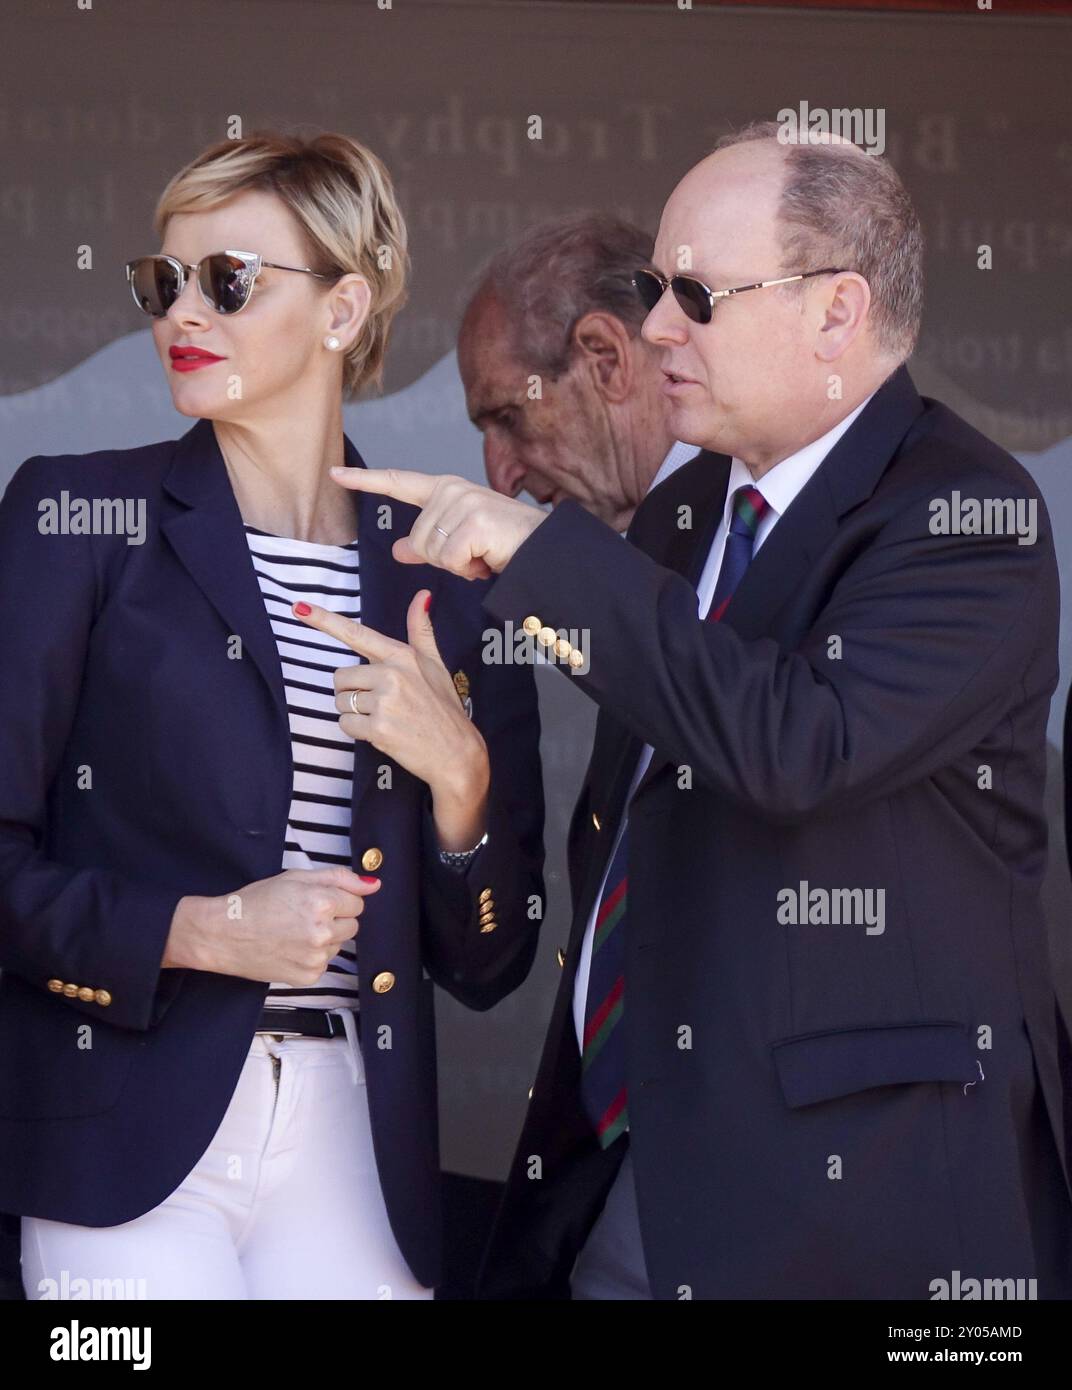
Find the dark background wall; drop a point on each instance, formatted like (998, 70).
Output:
(98, 108)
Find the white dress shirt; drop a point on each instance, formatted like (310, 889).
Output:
(779, 485)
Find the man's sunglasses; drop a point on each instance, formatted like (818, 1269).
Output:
(697, 300)
(225, 280)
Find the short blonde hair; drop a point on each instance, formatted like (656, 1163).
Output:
(343, 200)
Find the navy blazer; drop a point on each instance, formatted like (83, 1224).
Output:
(817, 1110)
(140, 763)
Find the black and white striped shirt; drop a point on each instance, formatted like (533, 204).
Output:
(318, 827)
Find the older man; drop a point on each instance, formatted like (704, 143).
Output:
(806, 1041)
(557, 378)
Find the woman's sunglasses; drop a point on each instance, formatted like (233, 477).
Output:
(225, 280)
(696, 299)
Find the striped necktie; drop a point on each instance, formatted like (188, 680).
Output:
(603, 1088)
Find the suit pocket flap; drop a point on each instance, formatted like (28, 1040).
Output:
(820, 1066)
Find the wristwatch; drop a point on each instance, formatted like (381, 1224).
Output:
(459, 858)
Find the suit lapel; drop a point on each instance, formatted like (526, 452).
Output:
(208, 538)
(704, 493)
(684, 551)
(846, 477)
(615, 749)
(384, 600)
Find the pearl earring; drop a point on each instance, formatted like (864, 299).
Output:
(332, 342)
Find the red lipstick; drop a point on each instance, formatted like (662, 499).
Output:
(190, 359)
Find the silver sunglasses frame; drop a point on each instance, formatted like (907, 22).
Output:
(712, 295)
(251, 259)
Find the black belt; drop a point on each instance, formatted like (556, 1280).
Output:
(310, 1023)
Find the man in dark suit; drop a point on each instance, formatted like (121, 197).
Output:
(806, 1040)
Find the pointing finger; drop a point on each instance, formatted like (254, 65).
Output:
(359, 637)
(400, 483)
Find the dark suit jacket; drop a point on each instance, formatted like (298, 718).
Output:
(815, 1111)
(114, 664)
(1066, 750)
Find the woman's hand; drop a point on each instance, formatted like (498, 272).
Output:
(405, 704)
(283, 929)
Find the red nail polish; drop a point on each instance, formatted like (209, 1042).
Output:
(368, 878)
(302, 609)
(428, 603)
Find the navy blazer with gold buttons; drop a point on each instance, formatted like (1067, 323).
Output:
(141, 762)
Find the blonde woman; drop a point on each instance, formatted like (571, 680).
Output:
(259, 788)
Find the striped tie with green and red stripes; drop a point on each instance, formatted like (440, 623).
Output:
(604, 1094)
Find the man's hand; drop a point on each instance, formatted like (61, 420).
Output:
(468, 530)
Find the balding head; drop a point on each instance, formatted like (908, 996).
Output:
(840, 205)
(777, 367)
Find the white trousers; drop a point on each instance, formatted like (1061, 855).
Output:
(284, 1204)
